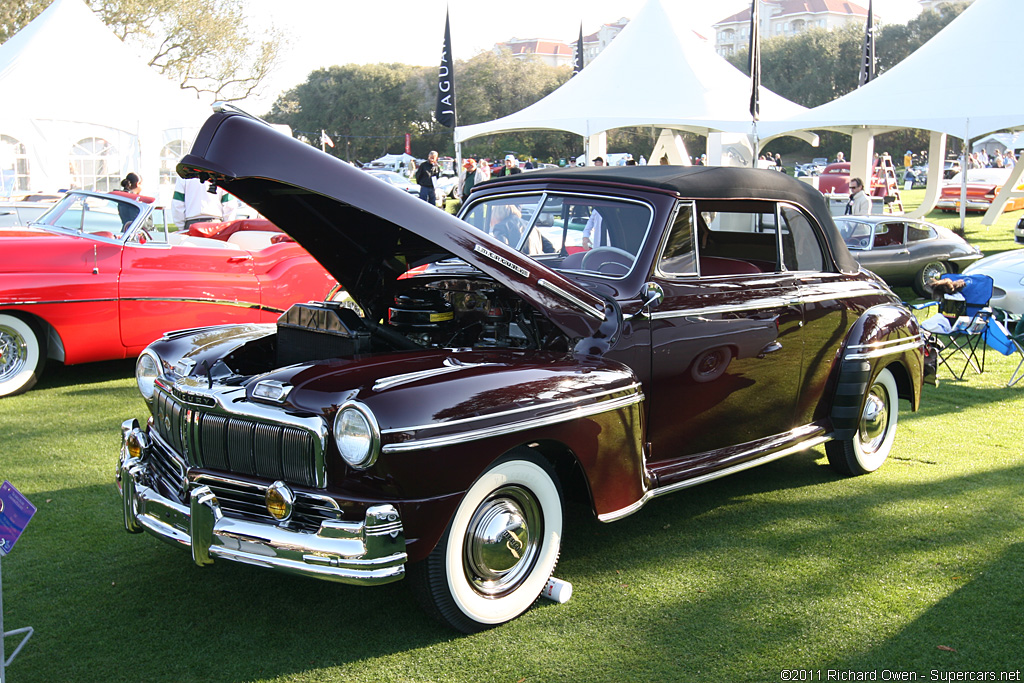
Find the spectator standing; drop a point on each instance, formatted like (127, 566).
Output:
(197, 202)
(425, 175)
(860, 203)
(1009, 161)
(840, 157)
(470, 175)
(510, 167)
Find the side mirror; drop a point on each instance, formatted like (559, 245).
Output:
(653, 296)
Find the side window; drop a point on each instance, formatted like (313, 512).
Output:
(736, 238)
(677, 258)
(801, 248)
(916, 233)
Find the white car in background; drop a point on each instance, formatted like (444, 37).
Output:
(1007, 272)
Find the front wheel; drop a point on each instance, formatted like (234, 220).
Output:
(876, 430)
(21, 356)
(500, 547)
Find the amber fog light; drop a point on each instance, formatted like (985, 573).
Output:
(136, 443)
(280, 501)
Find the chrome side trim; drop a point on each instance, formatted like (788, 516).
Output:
(487, 432)
(711, 476)
(765, 303)
(571, 298)
(164, 299)
(886, 348)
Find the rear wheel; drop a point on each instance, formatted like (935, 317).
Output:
(711, 364)
(21, 355)
(876, 430)
(500, 547)
(933, 270)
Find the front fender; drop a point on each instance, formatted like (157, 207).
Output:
(885, 336)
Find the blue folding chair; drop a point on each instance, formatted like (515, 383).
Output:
(969, 319)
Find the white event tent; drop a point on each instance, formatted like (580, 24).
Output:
(951, 85)
(82, 109)
(656, 72)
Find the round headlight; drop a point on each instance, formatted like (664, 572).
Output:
(357, 435)
(147, 370)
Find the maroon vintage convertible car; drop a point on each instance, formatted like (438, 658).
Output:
(717, 323)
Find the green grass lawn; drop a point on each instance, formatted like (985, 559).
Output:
(917, 567)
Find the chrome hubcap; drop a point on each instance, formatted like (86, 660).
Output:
(874, 421)
(13, 353)
(502, 541)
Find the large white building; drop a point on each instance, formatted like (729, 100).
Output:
(558, 53)
(786, 18)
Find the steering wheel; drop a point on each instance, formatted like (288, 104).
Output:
(593, 259)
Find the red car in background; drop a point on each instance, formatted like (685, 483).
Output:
(835, 179)
(100, 276)
(983, 184)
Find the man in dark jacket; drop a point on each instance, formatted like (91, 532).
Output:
(425, 175)
(511, 167)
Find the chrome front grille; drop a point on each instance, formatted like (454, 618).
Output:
(206, 436)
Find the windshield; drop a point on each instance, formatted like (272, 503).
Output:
(856, 234)
(91, 215)
(580, 233)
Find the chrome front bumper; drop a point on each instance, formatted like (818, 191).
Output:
(370, 552)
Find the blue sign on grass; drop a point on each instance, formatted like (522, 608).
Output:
(15, 512)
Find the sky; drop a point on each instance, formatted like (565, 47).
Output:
(323, 33)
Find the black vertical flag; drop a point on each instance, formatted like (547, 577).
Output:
(445, 110)
(755, 61)
(867, 67)
(577, 58)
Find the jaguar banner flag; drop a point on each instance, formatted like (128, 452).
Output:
(445, 110)
(867, 67)
(577, 57)
(755, 61)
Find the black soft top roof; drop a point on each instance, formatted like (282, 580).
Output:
(702, 182)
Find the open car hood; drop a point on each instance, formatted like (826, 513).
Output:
(364, 232)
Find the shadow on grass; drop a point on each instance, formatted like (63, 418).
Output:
(732, 587)
(57, 375)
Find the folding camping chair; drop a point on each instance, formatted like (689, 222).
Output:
(965, 318)
(1007, 335)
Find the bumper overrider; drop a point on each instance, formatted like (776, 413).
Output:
(369, 552)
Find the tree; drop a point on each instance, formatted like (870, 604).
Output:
(204, 45)
(369, 107)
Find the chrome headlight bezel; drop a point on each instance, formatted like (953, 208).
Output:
(148, 369)
(356, 435)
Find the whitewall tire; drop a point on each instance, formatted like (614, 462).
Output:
(499, 549)
(21, 356)
(876, 429)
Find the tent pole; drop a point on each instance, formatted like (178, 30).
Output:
(963, 178)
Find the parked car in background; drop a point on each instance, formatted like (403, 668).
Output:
(1007, 272)
(396, 179)
(100, 276)
(717, 322)
(983, 184)
(950, 167)
(904, 251)
(16, 214)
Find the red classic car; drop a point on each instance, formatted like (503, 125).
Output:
(983, 184)
(100, 276)
(718, 322)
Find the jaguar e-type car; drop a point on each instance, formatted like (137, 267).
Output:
(904, 251)
(716, 322)
(100, 276)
